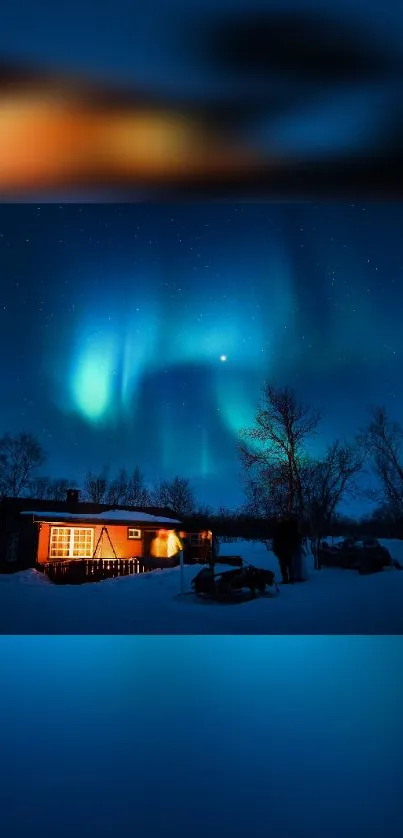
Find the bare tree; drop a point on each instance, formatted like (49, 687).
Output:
(383, 439)
(47, 488)
(96, 487)
(138, 495)
(329, 481)
(254, 499)
(20, 456)
(274, 448)
(60, 486)
(118, 491)
(39, 487)
(204, 511)
(125, 490)
(226, 513)
(267, 491)
(129, 490)
(177, 494)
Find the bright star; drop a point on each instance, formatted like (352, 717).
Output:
(223, 357)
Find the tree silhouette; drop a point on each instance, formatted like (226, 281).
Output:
(20, 456)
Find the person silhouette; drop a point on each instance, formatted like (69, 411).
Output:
(286, 542)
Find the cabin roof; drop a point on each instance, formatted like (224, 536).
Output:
(79, 508)
(112, 516)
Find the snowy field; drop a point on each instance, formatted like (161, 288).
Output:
(333, 601)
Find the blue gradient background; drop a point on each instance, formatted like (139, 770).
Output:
(194, 736)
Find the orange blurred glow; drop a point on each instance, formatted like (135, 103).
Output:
(49, 140)
(43, 141)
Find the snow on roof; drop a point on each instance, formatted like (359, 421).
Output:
(112, 516)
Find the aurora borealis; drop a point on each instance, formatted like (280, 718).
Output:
(141, 334)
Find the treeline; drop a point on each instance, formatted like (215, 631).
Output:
(22, 456)
(248, 527)
(280, 476)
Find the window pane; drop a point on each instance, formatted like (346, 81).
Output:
(82, 543)
(60, 542)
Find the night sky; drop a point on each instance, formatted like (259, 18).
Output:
(141, 334)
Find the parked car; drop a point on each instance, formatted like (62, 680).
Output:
(375, 556)
(365, 556)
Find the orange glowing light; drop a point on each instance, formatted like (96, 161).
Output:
(52, 136)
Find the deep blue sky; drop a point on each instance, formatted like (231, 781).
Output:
(113, 320)
(146, 42)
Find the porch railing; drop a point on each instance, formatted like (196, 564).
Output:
(76, 571)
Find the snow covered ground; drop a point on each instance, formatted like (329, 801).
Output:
(332, 602)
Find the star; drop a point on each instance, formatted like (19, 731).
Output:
(223, 358)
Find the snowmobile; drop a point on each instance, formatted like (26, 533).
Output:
(236, 585)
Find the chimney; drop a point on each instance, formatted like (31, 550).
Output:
(72, 499)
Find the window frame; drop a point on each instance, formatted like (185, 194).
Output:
(134, 537)
(71, 531)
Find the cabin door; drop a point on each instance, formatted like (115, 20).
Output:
(148, 536)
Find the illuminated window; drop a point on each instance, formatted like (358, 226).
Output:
(71, 543)
(133, 533)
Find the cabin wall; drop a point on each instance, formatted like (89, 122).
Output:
(17, 545)
(27, 543)
(33, 542)
(124, 547)
(3, 544)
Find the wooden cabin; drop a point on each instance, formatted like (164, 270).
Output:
(49, 534)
